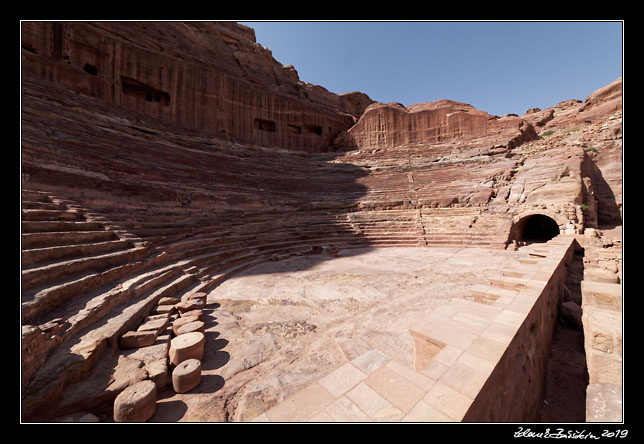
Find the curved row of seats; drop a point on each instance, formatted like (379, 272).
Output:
(114, 218)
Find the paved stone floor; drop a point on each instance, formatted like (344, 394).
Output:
(321, 338)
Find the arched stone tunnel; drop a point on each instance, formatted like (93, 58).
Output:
(534, 228)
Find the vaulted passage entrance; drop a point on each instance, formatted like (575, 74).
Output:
(535, 228)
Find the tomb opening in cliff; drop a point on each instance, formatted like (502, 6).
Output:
(535, 228)
(265, 125)
(90, 69)
(316, 129)
(132, 87)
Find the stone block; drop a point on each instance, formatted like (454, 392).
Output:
(601, 294)
(513, 273)
(342, 379)
(344, 410)
(199, 296)
(302, 406)
(601, 275)
(508, 283)
(499, 332)
(190, 327)
(157, 325)
(168, 301)
(448, 401)
(189, 305)
(158, 372)
(448, 355)
(186, 376)
(198, 313)
(187, 346)
(396, 389)
(137, 403)
(373, 404)
(417, 378)
(179, 322)
(135, 339)
(423, 412)
(455, 333)
(487, 349)
(511, 317)
(464, 379)
(476, 362)
(370, 361)
(165, 309)
(604, 403)
(434, 369)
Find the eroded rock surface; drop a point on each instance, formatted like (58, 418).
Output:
(161, 159)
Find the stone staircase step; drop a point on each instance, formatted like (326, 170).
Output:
(51, 215)
(64, 320)
(212, 280)
(49, 274)
(36, 256)
(35, 196)
(75, 358)
(58, 226)
(44, 299)
(59, 239)
(34, 205)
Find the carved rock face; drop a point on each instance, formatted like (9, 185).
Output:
(164, 157)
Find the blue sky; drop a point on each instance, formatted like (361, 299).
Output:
(498, 67)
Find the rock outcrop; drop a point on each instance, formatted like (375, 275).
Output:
(390, 125)
(210, 79)
(158, 159)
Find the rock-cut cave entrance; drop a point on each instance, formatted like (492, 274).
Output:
(535, 228)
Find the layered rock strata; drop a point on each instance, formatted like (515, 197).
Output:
(160, 158)
(210, 79)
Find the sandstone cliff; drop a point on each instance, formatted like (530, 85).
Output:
(161, 158)
(389, 125)
(211, 79)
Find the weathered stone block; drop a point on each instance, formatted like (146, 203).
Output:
(135, 339)
(187, 346)
(190, 327)
(137, 403)
(186, 375)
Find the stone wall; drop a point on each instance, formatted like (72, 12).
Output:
(514, 390)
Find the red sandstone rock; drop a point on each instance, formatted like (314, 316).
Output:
(135, 339)
(190, 327)
(154, 185)
(182, 321)
(186, 375)
(169, 301)
(189, 305)
(156, 325)
(222, 58)
(390, 125)
(199, 296)
(136, 403)
(572, 312)
(165, 309)
(193, 313)
(187, 346)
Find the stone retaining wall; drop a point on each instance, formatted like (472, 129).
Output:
(514, 390)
